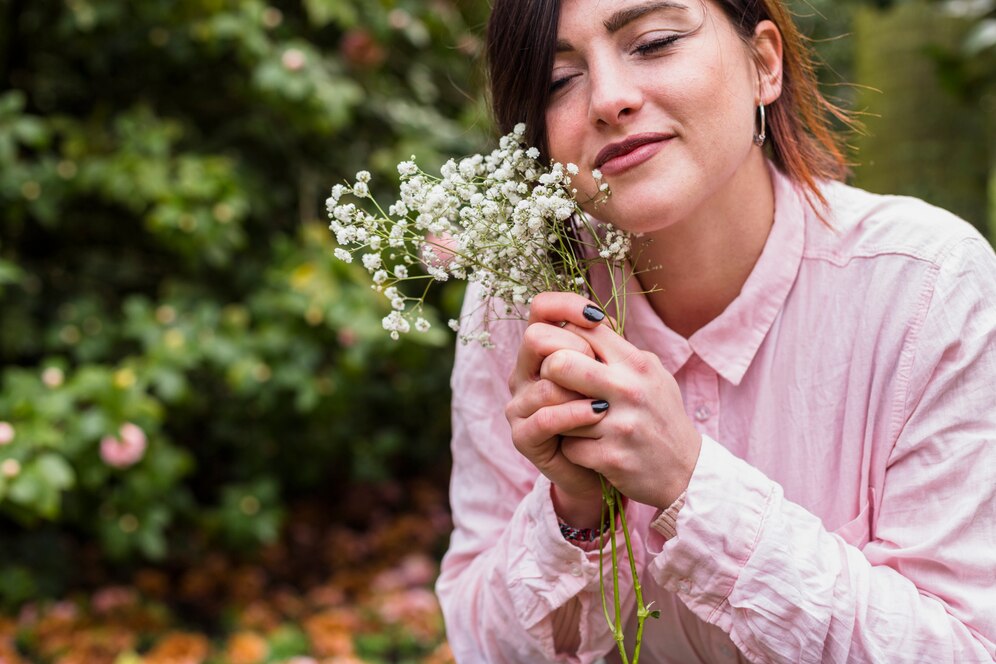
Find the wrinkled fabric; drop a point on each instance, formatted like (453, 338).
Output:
(843, 507)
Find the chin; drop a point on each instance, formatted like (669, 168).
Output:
(640, 214)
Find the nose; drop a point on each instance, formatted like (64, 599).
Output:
(615, 95)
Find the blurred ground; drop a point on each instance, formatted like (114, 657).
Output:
(347, 582)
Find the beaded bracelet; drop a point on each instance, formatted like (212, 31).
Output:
(573, 534)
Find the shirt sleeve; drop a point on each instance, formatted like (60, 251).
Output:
(508, 570)
(921, 587)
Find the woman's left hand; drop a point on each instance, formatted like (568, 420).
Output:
(646, 446)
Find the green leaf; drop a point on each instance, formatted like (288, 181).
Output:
(323, 12)
(12, 102)
(287, 641)
(129, 657)
(32, 132)
(40, 484)
(56, 471)
(981, 38)
(10, 273)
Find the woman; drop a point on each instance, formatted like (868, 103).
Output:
(802, 415)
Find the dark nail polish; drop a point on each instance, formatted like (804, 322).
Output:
(593, 313)
(600, 406)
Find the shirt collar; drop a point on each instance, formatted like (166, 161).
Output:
(729, 342)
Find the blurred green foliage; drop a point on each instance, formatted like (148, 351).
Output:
(921, 77)
(927, 126)
(164, 260)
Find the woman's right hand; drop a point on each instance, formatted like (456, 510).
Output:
(541, 411)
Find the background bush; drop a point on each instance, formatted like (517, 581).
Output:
(165, 262)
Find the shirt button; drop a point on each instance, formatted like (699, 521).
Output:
(575, 570)
(684, 586)
(702, 413)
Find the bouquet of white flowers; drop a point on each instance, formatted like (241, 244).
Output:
(503, 221)
(500, 220)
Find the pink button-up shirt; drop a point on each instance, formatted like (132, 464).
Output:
(843, 508)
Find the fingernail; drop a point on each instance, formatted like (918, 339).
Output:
(593, 313)
(600, 406)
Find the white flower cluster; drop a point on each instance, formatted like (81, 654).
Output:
(502, 220)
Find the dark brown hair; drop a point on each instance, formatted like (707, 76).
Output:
(521, 44)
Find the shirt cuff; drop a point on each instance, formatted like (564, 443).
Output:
(548, 570)
(716, 530)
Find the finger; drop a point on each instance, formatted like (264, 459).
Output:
(579, 373)
(539, 341)
(539, 394)
(585, 452)
(607, 344)
(557, 307)
(593, 431)
(532, 435)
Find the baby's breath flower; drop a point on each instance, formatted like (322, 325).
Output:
(396, 324)
(333, 199)
(371, 261)
(407, 168)
(438, 273)
(343, 255)
(493, 219)
(422, 325)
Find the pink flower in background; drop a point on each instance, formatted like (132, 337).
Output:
(113, 598)
(417, 569)
(293, 59)
(6, 433)
(10, 468)
(125, 450)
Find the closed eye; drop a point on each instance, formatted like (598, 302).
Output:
(560, 82)
(656, 45)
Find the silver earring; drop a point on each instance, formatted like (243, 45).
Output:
(760, 136)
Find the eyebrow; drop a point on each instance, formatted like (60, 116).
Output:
(624, 17)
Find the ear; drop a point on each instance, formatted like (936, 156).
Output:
(768, 58)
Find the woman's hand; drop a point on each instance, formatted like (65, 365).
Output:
(541, 410)
(644, 443)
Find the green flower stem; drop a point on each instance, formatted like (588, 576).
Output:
(613, 499)
(641, 610)
(611, 495)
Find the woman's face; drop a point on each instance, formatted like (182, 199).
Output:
(661, 96)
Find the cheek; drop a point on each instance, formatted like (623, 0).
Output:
(562, 133)
(559, 148)
(718, 109)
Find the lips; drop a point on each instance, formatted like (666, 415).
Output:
(629, 152)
